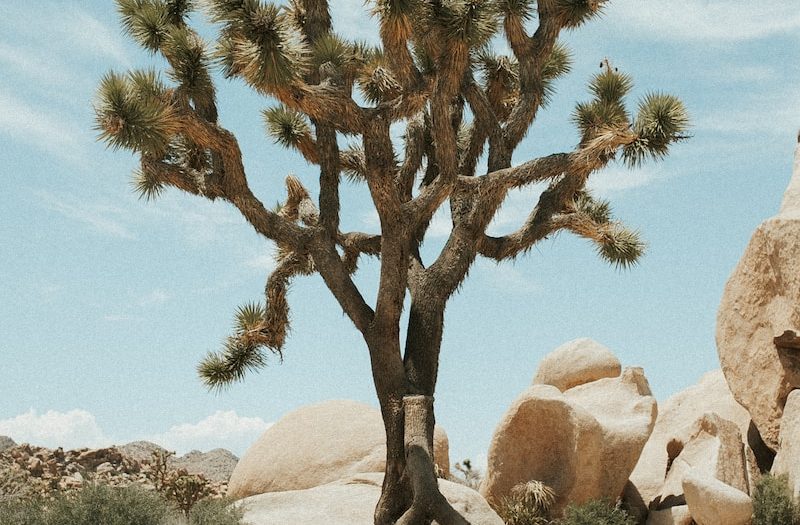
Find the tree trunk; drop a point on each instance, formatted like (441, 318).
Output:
(427, 502)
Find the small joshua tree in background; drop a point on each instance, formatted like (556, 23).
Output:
(434, 73)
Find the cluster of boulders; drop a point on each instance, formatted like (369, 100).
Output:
(31, 470)
(579, 428)
(324, 463)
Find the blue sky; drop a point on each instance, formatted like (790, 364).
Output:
(107, 302)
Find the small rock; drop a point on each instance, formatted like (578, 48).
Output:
(105, 468)
(712, 502)
(576, 363)
(678, 515)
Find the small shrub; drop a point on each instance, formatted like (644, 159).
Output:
(595, 513)
(529, 504)
(773, 503)
(215, 512)
(21, 512)
(101, 504)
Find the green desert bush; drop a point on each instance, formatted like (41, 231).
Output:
(595, 513)
(773, 503)
(97, 504)
(528, 504)
(215, 512)
(21, 512)
(105, 505)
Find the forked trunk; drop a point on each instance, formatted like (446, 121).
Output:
(410, 489)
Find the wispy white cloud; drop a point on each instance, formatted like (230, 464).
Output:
(766, 113)
(263, 263)
(78, 34)
(40, 128)
(618, 178)
(41, 68)
(79, 428)
(117, 318)
(504, 277)
(706, 20)
(157, 296)
(100, 218)
(91, 35)
(225, 429)
(72, 429)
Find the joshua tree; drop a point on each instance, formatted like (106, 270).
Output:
(435, 73)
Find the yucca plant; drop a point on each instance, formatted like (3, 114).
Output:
(434, 72)
(528, 504)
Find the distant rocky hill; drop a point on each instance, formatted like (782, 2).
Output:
(6, 442)
(40, 469)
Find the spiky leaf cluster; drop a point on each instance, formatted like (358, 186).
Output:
(598, 210)
(607, 109)
(259, 42)
(662, 120)
(558, 64)
(242, 352)
(469, 21)
(620, 246)
(134, 112)
(286, 126)
(147, 184)
(189, 66)
(575, 13)
(518, 9)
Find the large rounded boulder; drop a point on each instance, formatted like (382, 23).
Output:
(583, 443)
(351, 501)
(318, 444)
(761, 301)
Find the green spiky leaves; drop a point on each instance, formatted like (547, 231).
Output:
(661, 121)
(519, 9)
(147, 185)
(242, 352)
(620, 246)
(592, 218)
(598, 210)
(607, 109)
(189, 66)
(259, 43)
(574, 13)
(238, 357)
(470, 21)
(133, 112)
(286, 126)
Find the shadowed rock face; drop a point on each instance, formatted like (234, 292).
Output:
(318, 444)
(352, 501)
(713, 449)
(583, 443)
(676, 417)
(761, 301)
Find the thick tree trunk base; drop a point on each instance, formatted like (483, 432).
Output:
(412, 490)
